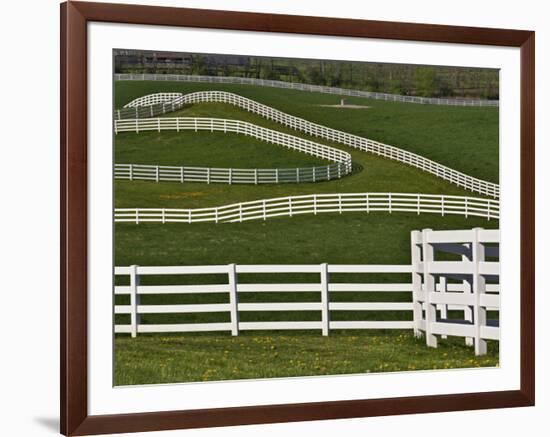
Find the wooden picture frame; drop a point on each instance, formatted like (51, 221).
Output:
(74, 209)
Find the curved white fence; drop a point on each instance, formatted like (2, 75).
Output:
(159, 173)
(160, 103)
(239, 127)
(310, 88)
(317, 204)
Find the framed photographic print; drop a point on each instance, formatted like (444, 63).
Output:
(271, 218)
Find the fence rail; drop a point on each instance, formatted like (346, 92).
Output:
(317, 204)
(234, 288)
(475, 291)
(161, 103)
(209, 175)
(240, 127)
(310, 88)
(479, 274)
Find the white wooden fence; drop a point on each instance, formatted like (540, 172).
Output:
(160, 103)
(240, 127)
(475, 293)
(230, 175)
(317, 204)
(308, 87)
(431, 287)
(234, 288)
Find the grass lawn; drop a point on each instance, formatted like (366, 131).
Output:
(350, 238)
(463, 138)
(211, 357)
(466, 139)
(207, 149)
(371, 173)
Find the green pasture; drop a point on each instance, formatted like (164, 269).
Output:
(465, 139)
(208, 357)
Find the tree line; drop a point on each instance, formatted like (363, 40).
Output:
(404, 79)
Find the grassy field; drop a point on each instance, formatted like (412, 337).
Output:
(206, 357)
(207, 149)
(463, 138)
(371, 173)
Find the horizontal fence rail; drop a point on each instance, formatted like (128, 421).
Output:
(233, 287)
(239, 127)
(161, 103)
(318, 204)
(209, 175)
(233, 283)
(477, 270)
(308, 87)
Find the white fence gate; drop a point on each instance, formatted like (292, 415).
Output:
(473, 292)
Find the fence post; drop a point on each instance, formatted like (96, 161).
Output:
(315, 204)
(416, 283)
(157, 173)
(208, 175)
(429, 287)
(468, 311)
(478, 287)
(325, 310)
(181, 174)
(230, 175)
(328, 172)
(131, 172)
(443, 307)
(137, 216)
(297, 175)
(256, 176)
(314, 169)
(134, 301)
(277, 175)
(233, 299)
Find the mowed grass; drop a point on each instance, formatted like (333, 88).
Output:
(371, 173)
(207, 149)
(214, 357)
(463, 138)
(349, 238)
(457, 134)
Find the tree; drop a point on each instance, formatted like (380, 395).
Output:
(426, 82)
(198, 65)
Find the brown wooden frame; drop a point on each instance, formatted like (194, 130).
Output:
(74, 414)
